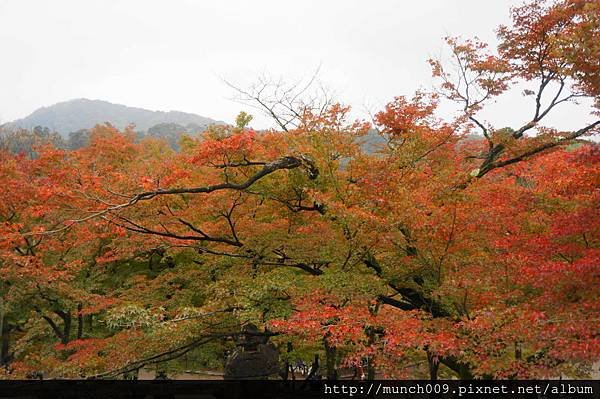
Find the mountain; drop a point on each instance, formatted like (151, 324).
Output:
(75, 115)
(67, 125)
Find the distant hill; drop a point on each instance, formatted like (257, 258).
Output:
(67, 125)
(76, 115)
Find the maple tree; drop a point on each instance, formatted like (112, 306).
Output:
(458, 248)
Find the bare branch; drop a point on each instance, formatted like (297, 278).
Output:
(285, 104)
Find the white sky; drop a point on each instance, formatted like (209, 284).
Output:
(171, 55)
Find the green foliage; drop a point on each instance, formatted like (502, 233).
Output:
(242, 120)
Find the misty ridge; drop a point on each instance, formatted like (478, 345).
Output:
(77, 114)
(68, 125)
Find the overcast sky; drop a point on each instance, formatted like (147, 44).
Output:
(171, 55)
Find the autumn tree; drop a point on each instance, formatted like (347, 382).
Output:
(457, 248)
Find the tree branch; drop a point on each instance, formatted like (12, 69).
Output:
(287, 162)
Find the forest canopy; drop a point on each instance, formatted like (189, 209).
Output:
(454, 248)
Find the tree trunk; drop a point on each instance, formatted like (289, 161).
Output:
(330, 358)
(285, 373)
(370, 370)
(66, 334)
(55, 328)
(434, 365)
(4, 347)
(67, 329)
(79, 321)
(372, 335)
